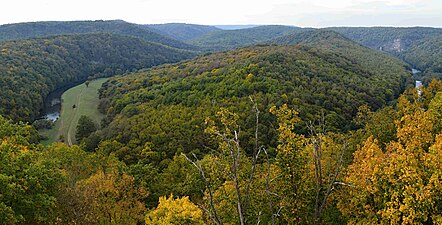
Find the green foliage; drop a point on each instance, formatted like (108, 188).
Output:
(230, 39)
(166, 106)
(389, 39)
(418, 46)
(182, 31)
(85, 127)
(44, 29)
(28, 181)
(97, 190)
(426, 55)
(180, 178)
(33, 68)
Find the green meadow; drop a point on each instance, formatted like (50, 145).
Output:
(86, 101)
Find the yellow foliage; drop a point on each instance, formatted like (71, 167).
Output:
(175, 211)
(402, 183)
(287, 118)
(112, 198)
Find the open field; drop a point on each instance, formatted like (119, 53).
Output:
(86, 101)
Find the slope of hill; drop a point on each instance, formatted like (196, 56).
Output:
(234, 27)
(426, 55)
(182, 31)
(336, 44)
(167, 106)
(32, 68)
(230, 39)
(389, 39)
(44, 29)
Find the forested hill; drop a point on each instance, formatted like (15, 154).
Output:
(389, 39)
(230, 39)
(166, 106)
(336, 44)
(418, 46)
(182, 31)
(44, 29)
(426, 56)
(32, 68)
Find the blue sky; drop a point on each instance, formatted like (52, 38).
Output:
(305, 13)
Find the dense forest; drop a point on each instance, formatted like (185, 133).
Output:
(32, 68)
(292, 126)
(317, 81)
(45, 29)
(182, 31)
(389, 39)
(230, 39)
(396, 166)
(426, 56)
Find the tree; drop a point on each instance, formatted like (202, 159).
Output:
(28, 181)
(113, 198)
(85, 128)
(309, 167)
(291, 159)
(233, 191)
(399, 183)
(175, 211)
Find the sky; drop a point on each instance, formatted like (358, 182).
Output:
(303, 13)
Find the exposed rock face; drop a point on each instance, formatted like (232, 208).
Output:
(396, 46)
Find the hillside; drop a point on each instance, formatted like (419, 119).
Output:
(336, 44)
(389, 39)
(44, 29)
(426, 56)
(167, 106)
(182, 31)
(32, 68)
(234, 27)
(294, 126)
(230, 39)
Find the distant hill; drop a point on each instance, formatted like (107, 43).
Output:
(418, 46)
(235, 27)
(182, 31)
(311, 78)
(32, 68)
(389, 39)
(354, 53)
(426, 56)
(230, 39)
(44, 29)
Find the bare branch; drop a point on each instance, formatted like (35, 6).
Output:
(344, 184)
(338, 167)
(279, 211)
(269, 199)
(332, 182)
(259, 218)
(236, 160)
(215, 217)
(208, 212)
(256, 152)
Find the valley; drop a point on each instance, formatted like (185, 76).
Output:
(111, 122)
(85, 99)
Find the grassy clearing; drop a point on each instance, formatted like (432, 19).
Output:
(86, 101)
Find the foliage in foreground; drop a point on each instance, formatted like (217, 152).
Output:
(309, 179)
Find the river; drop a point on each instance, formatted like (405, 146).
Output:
(52, 103)
(418, 82)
